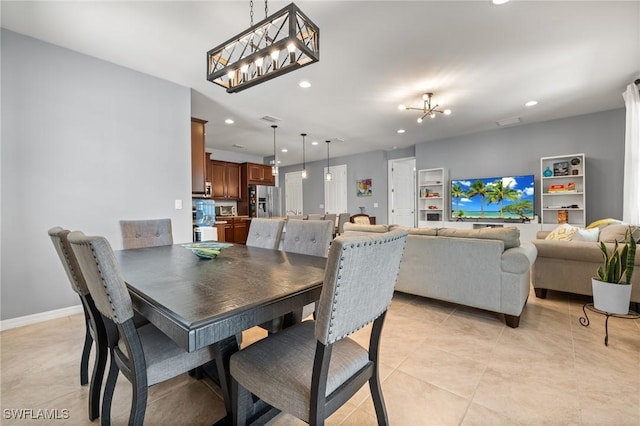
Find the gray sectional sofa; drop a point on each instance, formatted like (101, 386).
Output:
(568, 266)
(484, 268)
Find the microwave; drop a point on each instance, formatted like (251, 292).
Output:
(225, 210)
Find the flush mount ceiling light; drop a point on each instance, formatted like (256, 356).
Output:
(427, 109)
(280, 43)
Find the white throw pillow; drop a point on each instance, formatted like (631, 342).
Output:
(586, 235)
(563, 232)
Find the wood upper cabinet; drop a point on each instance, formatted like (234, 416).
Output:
(225, 180)
(198, 160)
(259, 174)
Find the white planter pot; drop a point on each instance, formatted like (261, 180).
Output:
(611, 298)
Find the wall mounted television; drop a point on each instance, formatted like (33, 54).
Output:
(503, 198)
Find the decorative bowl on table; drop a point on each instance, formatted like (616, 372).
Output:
(208, 250)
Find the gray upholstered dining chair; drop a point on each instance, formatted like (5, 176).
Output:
(315, 216)
(342, 219)
(265, 233)
(332, 218)
(146, 233)
(310, 237)
(144, 355)
(311, 369)
(94, 327)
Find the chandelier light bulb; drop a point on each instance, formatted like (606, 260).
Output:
(292, 52)
(402, 107)
(425, 97)
(274, 58)
(231, 75)
(432, 115)
(447, 112)
(419, 120)
(304, 174)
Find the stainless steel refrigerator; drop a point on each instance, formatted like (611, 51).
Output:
(264, 201)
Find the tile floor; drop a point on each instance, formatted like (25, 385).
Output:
(443, 364)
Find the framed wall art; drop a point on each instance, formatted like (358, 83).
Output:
(363, 187)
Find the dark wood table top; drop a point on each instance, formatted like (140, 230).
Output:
(198, 302)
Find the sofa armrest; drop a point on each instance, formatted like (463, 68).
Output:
(585, 251)
(518, 260)
(541, 235)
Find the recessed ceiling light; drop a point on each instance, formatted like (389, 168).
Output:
(531, 103)
(499, 2)
(314, 143)
(285, 150)
(304, 84)
(229, 121)
(400, 130)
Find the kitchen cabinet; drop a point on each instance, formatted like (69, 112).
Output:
(259, 174)
(198, 159)
(225, 180)
(235, 230)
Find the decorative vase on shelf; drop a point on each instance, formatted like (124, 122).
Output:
(547, 172)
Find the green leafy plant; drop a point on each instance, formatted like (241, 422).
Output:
(618, 265)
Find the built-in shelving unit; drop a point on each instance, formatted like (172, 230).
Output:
(562, 198)
(432, 197)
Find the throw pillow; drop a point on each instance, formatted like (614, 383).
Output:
(603, 223)
(563, 232)
(586, 235)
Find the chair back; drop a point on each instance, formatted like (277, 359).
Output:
(358, 284)
(331, 217)
(296, 217)
(308, 237)
(146, 233)
(315, 216)
(342, 219)
(102, 274)
(360, 218)
(69, 262)
(265, 233)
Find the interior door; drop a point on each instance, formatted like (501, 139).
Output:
(402, 192)
(335, 190)
(293, 193)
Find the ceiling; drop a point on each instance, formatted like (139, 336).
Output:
(481, 61)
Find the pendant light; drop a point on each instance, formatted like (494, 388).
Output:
(328, 175)
(304, 164)
(274, 168)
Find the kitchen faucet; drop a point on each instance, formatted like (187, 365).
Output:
(295, 212)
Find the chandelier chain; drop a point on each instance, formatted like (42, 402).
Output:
(251, 12)
(266, 9)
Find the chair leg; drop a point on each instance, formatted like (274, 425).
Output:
(378, 399)
(86, 351)
(107, 397)
(138, 404)
(240, 400)
(96, 379)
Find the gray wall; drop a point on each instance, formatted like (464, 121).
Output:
(85, 143)
(517, 150)
(507, 151)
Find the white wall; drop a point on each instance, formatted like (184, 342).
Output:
(85, 143)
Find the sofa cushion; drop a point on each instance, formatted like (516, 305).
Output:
(586, 234)
(432, 232)
(563, 232)
(358, 227)
(613, 233)
(509, 236)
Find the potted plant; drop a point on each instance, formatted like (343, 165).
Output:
(612, 286)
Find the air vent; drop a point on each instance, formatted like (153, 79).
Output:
(271, 119)
(237, 145)
(508, 121)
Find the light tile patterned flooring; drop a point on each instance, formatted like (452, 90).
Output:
(442, 364)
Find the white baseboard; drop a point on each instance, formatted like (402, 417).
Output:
(36, 318)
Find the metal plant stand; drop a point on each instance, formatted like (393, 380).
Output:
(585, 320)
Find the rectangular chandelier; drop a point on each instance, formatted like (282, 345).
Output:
(280, 43)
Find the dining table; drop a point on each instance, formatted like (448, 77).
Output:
(200, 302)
